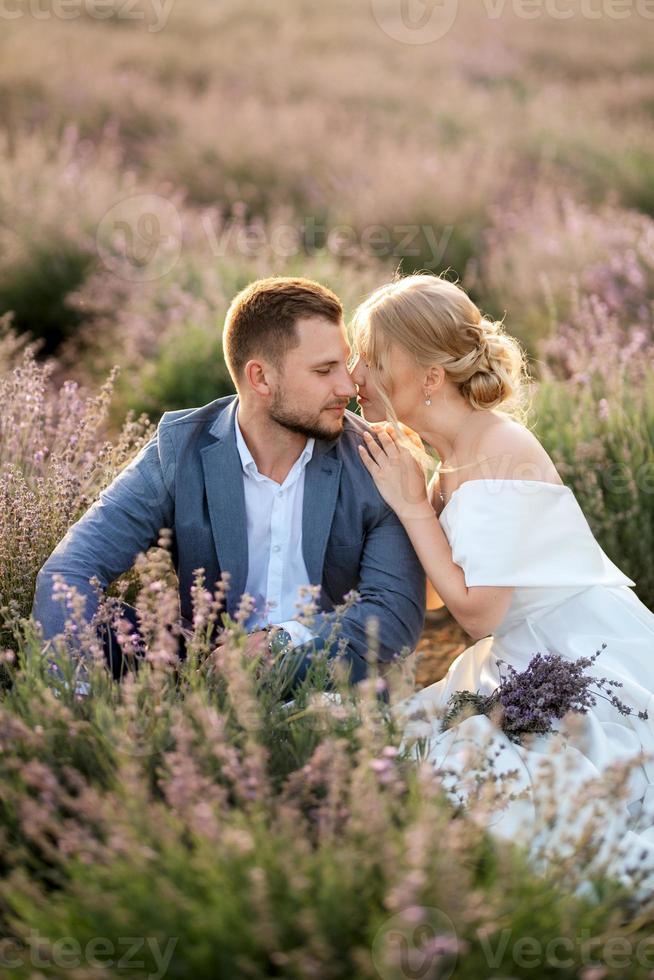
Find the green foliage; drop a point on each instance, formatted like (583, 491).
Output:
(604, 451)
(187, 369)
(176, 809)
(37, 289)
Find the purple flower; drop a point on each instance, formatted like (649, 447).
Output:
(530, 700)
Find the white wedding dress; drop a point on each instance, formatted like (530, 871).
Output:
(568, 599)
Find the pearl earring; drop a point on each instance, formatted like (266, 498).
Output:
(428, 400)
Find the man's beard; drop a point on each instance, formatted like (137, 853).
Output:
(309, 426)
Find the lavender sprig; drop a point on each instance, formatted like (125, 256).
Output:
(530, 700)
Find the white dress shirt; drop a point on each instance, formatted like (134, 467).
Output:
(276, 568)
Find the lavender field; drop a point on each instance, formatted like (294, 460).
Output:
(154, 159)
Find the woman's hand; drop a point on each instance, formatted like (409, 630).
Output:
(410, 434)
(399, 477)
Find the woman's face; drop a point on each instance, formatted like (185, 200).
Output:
(405, 392)
(368, 399)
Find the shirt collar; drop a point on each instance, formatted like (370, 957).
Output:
(247, 459)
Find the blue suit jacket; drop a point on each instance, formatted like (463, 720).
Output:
(188, 478)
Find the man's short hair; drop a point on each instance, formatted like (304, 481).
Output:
(261, 319)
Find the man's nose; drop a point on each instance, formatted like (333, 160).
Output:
(346, 387)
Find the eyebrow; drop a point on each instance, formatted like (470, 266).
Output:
(327, 363)
(334, 361)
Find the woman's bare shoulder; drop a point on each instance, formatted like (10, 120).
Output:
(508, 450)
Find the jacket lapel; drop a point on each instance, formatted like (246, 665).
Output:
(321, 483)
(223, 478)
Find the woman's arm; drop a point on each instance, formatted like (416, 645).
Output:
(434, 601)
(480, 609)
(401, 481)
(434, 493)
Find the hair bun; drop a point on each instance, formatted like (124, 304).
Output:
(496, 378)
(484, 349)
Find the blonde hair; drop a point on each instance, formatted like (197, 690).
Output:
(436, 322)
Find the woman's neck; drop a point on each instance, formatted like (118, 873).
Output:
(443, 431)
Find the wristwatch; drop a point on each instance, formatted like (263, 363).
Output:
(279, 639)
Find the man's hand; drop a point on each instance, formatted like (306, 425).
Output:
(255, 643)
(255, 647)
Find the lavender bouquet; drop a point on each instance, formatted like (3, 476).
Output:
(527, 702)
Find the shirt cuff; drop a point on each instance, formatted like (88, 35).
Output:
(298, 632)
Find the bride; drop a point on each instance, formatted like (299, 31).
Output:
(505, 545)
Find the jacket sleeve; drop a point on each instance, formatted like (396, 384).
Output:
(104, 542)
(392, 590)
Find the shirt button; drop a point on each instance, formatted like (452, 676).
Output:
(272, 603)
(277, 547)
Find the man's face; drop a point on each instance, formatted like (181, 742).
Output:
(313, 387)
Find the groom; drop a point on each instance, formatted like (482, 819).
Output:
(266, 485)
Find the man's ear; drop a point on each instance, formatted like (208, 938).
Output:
(257, 375)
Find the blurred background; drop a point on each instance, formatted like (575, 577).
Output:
(157, 156)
